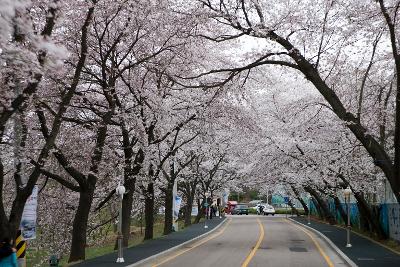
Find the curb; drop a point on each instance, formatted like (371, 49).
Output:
(330, 243)
(177, 246)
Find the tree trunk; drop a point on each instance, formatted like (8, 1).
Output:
(302, 202)
(364, 222)
(200, 209)
(293, 208)
(149, 212)
(78, 243)
(129, 182)
(318, 208)
(188, 211)
(188, 214)
(323, 205)
(126, 216)
(8, 228)
(325, 209)
(366, 212)
(304, 205)
(339, 207)
(368, 216)
(126, 213)
(168, 215)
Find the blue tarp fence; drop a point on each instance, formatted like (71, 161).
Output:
(389, 216)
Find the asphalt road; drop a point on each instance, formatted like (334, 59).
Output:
(254, 241)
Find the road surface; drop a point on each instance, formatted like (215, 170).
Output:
(250, 241)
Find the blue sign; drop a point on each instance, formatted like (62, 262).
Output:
(205, 204)
(286, 199)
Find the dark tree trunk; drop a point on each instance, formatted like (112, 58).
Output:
(78, 243)
(188, 214)
(168, 215)
(126, 216)
(188, 210)
(367, 214)
(126, 213)
(302, 202)
(304, 205)
(323, 205)
(364, 222)
(339, 207)
(9, 228)
(318, 208)
(188, 188)
(366, 211)
(129, 182)
(325, 209)
(149, 212)
(293, 208)
(4, 226)
(200, 209)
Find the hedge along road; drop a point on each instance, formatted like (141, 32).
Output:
(249, 241)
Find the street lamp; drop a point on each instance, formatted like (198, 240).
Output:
(347, 193)
(206, 204)
(120, 190)
(219, 207)
(309, 208)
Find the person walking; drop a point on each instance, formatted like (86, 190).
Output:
(261, 209)
(214, 210)
(8, 255)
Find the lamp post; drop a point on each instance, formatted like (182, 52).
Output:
(206, 204)
(219, 200)
(309, 208)
(120, 190)
(347, 193)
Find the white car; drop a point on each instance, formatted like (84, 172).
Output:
(266, 209)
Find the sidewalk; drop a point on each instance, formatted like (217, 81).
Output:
(152, 247)
(364, 252)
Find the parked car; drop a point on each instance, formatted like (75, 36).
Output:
(241, 209)
(265, 210)
(268, 209)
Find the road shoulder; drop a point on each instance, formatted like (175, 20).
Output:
(161, 254)
(342, 255)
(363, 253)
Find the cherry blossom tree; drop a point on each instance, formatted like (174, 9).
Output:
(317, 46)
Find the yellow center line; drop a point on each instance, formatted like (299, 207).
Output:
(321, 251)
(254, 250)
(193, 247)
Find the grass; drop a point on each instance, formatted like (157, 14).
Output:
(289, 211)
(35, 257)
